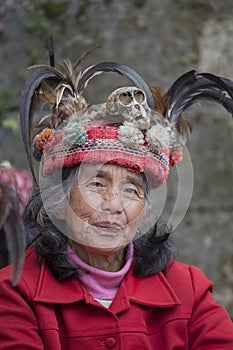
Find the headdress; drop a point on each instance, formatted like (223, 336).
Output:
(137, 127)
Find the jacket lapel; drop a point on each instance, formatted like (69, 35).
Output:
(49, 290)
(150, 291)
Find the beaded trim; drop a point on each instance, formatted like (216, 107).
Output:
(59, 151)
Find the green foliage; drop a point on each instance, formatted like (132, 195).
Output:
(40, 16)
(37, 20)
(53, 9)
(188, 59)
(108, 2)
(84, 7)
(10, 123)
(139, 3)
(5, 99)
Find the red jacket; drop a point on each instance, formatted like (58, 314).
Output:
(174, 311)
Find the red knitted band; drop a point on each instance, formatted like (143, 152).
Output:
(102, 146)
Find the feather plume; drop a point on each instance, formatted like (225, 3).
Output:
(159, 101)
(180, 85)
(51, 52)
(79, 60)
(15, 239)
(192, 87)
(209, 94)
(62, 89)
(184, 128)
(121, 69)
(51, 85)
(27, 102)
(222, 83)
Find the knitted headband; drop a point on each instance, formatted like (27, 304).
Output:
(137, 128)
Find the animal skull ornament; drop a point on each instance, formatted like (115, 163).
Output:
(129, 104)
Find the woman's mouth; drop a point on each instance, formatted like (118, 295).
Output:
(107, 226)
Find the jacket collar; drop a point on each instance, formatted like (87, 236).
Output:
(151, 290)
(50, 290)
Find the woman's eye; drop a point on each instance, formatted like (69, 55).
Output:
(130, 191)
(96, 184)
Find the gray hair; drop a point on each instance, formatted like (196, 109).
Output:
(152, 250)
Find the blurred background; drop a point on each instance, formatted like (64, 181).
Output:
(160, 39)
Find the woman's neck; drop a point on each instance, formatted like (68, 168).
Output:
(107, 261)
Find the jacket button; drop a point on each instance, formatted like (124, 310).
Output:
(110, 343)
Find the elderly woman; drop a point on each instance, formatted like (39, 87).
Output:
(92, 278)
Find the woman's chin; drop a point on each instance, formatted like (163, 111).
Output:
(103, 246)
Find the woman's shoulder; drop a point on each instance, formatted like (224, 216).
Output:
(30, 271)
(187, 277)
(183, 270)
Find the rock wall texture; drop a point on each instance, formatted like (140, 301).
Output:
(161, 39)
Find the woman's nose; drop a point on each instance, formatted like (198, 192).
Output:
(112, 202)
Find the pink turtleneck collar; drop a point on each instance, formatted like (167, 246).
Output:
(99, 283)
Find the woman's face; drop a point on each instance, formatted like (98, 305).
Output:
(106, 207)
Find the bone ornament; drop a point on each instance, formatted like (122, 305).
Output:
(129, 104)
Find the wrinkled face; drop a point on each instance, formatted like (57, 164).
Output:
(130, 104)
(106, 207)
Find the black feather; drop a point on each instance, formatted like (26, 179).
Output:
(15, 238)
(191, 87)
(223, 83)
(121, 69)
(51, 52)
(192, 96)
(180, 85)
(26, 104)
(228, 82)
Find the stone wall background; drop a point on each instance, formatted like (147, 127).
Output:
(161, 39)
